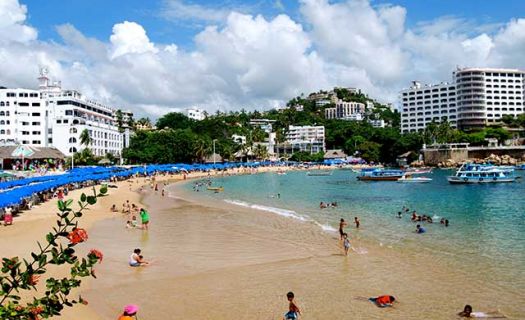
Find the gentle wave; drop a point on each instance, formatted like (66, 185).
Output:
(282, 212)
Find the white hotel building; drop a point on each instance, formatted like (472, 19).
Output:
(306, 138)
(52, 117)
(476, 98)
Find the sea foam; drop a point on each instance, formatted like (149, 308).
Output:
(279, 211)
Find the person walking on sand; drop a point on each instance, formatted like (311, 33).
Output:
(144, 216)
(357, 222)
(346, 243)
(293, 310)
(130, 312)
(342, 224)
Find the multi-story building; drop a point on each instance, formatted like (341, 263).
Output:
(265, 124)
(54, 117)
(303, 138)
(422, 104)
(346, 111)
(476, 97)
(196, 114)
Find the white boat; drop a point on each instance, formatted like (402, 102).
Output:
(408, 178)
(480, 173)
(319, 173)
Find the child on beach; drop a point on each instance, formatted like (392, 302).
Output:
(346, 243)
(136, 259)
(293, 311)
(130, 312)
(357, 222)
(383, 301)
(467, 313)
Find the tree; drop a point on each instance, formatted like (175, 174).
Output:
(201, 150)
(175, 120)
(18, 275)
(260, 152)
(370, 151)
(85, 138)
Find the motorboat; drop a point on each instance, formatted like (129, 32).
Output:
(216, 189)
(319, 173)
(470, 173)
(409, 178)
(379, 174)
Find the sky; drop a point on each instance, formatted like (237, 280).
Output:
(157, 56)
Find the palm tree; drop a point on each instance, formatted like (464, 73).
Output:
(260, 152)
(120, 121)
(201, 150)
(85, 138)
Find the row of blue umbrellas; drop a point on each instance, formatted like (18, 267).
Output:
(14, 192)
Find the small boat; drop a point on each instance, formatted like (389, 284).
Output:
(379, 174)
(470, 173)
(408, 178)
(216, 189)
(419, 170)
(319, 173)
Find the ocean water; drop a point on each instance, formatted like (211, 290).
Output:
(486, 236)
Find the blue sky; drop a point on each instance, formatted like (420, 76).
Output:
(95, 18)
(164, 57)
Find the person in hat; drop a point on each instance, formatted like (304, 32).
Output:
(130, 312)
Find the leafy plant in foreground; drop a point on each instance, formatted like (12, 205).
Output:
(18, 275)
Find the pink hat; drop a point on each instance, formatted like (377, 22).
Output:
(131, 309)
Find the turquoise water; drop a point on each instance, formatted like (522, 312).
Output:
(487, 222)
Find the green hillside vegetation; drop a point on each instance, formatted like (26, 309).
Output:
(180, 139)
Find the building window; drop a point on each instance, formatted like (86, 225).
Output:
(72, 150)
(72, 140)
(69, 112)
(35, 114)
(66, 121)
(36, 141)
(59, 121)
(36, 104)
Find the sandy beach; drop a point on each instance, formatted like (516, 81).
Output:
(213, 260)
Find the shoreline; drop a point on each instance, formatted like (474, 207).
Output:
(217, 248)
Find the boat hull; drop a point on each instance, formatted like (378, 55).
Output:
(414, 181)
(457, 180)
(372, 178)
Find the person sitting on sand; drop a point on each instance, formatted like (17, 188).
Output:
(420, 229)
(144, 216)
(113, 208)
(467, 313)
(136, 259)
(342, 224)
(346, 243)
(383, 301)
(293, 311)
(8, 216)
(130, 312)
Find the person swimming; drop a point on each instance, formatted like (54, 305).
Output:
(468, 313)
(383, 301)
(399, 214)
(293, 310)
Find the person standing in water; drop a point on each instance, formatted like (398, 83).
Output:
(342, 224)
(357, 222)
(144, 216)
(293, 310)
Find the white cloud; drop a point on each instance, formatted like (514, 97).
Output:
(180, 10)
(12, 18)
(130, 37)
(249, 61)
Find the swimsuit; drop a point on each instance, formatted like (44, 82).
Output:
(291, 315)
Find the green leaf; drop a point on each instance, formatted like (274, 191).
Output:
(91, 200)
(104, 189)
(83, 197)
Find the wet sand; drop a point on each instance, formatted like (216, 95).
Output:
(212, 260)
